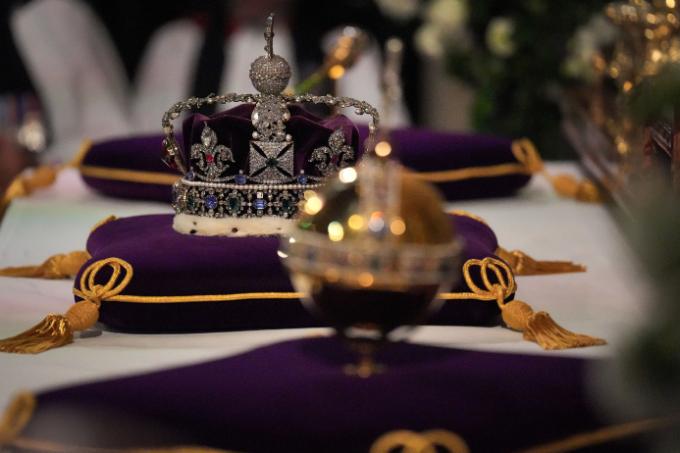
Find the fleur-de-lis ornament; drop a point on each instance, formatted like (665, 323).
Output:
(338, 154)
(210, 157)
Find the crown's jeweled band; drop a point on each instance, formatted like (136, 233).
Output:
(220, 200)
(247, 196)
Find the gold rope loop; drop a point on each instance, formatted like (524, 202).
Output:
(95, 293)
(498, 291)
(526, 153)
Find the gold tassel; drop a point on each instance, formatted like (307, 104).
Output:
(39, 177)
(16, 417)
(27, 182)
(523, 264)
(63, 265)
(538, 327)
(57, 330)
(565, 185)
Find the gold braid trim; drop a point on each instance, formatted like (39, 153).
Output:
(525, 165)
(148, 177)
(523, 264)
(461, 174)
(85, 147)
(102, 222)
(606, 434)
(39, 177)
(62, 265)
(406, 441)
(57, 330)
(203, 298)
(564, 184)
(538, 327)
(120, 174)
(46, 446)
(16, 417)
(27, 182)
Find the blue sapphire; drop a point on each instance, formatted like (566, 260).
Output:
(302, 178)
(260, 204)
(240, 178)
(189, 176)
(211, 201)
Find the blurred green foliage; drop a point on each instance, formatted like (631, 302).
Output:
(518, 95)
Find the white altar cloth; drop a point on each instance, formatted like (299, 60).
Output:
(609, 300)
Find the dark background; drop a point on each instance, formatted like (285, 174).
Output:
(131, 23)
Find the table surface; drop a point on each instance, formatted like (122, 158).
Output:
(609, 300)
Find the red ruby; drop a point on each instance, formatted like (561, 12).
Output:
(209, 158)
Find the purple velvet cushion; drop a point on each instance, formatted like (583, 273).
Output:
(138, 154)
(420, 149)
(293, 396)
(425, 150)
(167, 263)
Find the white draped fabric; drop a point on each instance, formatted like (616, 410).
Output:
(80, 78)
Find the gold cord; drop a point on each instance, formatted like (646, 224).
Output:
(121, 174)
(606, 434)
(538, 327)
(62, 265)
(102, 222)
(565, 185)
(42, 176)
(26, 183)
(523, 264)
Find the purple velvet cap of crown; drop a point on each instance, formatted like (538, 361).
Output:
(234, 129)
(167, 263)
(294, 396)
